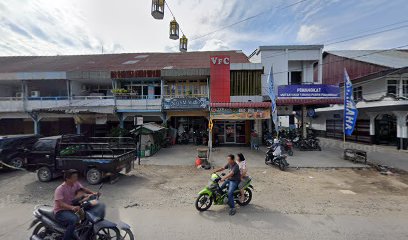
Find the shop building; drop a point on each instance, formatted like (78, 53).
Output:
(298, 92)
(236, 101)
(91, 94)
(380, 90)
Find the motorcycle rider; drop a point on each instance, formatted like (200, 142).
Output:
(276, 147)
(232, 179)
(244, 175)
(64, 195)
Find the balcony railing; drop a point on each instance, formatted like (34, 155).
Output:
(17, 104)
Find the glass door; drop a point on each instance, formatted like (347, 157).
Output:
(229, 132)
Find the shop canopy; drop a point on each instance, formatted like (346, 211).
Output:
(148, 128)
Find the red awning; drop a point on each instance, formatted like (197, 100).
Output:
(319, 101)
(242, 105)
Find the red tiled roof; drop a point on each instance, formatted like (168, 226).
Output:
(242, 105)
(291, 101)
(111, 62)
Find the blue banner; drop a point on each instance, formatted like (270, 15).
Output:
(350, 110)
(309, 91)
(273, 100)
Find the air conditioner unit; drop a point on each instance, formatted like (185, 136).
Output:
(35, 94)
(19, 94)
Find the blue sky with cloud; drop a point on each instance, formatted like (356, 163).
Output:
(49, 27)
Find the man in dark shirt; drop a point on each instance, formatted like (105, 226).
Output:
(232, 179)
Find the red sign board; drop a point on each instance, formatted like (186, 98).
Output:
(220, 78)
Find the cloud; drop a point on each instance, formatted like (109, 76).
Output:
(309, 33)
(215, 45)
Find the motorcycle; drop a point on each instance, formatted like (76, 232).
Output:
(92, 225)
(287, 146)
(213, 194)
(275, 157)
(183, 138)
(310, 144)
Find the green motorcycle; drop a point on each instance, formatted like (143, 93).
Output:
(212, 193)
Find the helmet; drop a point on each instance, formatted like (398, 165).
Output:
(276, 140)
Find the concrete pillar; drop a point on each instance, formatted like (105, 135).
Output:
(78, 128)
(402, 131)
(320, 67)
(36, 121)
(304, 115)
(121, 120)
(372, 126)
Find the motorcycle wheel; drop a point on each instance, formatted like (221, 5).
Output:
(248, 197)
(107, 233)
(203, 202)
(290, 152)
(267, 160)
(283, 164)
(40, 230)
(126, 234)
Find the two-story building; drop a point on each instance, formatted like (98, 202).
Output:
(380, 90)
(291, 68)
(91, 94)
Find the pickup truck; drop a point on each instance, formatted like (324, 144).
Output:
(50, 156)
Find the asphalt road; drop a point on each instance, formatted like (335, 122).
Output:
(251, 222)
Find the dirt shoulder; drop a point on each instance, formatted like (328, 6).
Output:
(362, 192)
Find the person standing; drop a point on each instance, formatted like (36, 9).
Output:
(64, 195)
(232, 179)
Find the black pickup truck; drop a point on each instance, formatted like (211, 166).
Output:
(50, 156)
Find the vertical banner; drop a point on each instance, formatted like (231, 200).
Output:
(220, 79)
(273, 100)
(350, 110)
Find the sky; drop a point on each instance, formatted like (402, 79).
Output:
(70, 27)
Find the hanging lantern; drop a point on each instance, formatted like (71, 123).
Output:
(174, 30)
(158, 9)
(183, 44)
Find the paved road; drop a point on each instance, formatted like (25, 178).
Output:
(251, 222)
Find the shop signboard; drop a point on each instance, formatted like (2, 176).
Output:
(185, 103)
(309, 91)
(220, 78)
(240, 113)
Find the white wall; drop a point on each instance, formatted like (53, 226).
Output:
(299, 60)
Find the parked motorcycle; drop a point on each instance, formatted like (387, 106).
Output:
(275, 157)
(310, 144)
(183, 138)
(92, 225)
(212, 193)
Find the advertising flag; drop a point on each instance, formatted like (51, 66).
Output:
(273, 100)
(350, 109)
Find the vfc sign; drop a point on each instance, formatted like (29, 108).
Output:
(220, 78)
(220, 60)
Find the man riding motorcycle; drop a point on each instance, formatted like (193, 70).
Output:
(64, 195)
(232, 179)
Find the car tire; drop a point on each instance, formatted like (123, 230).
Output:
(44, 174)
(94, 176)
(16, 162)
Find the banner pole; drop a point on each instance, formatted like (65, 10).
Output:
(344, 112)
